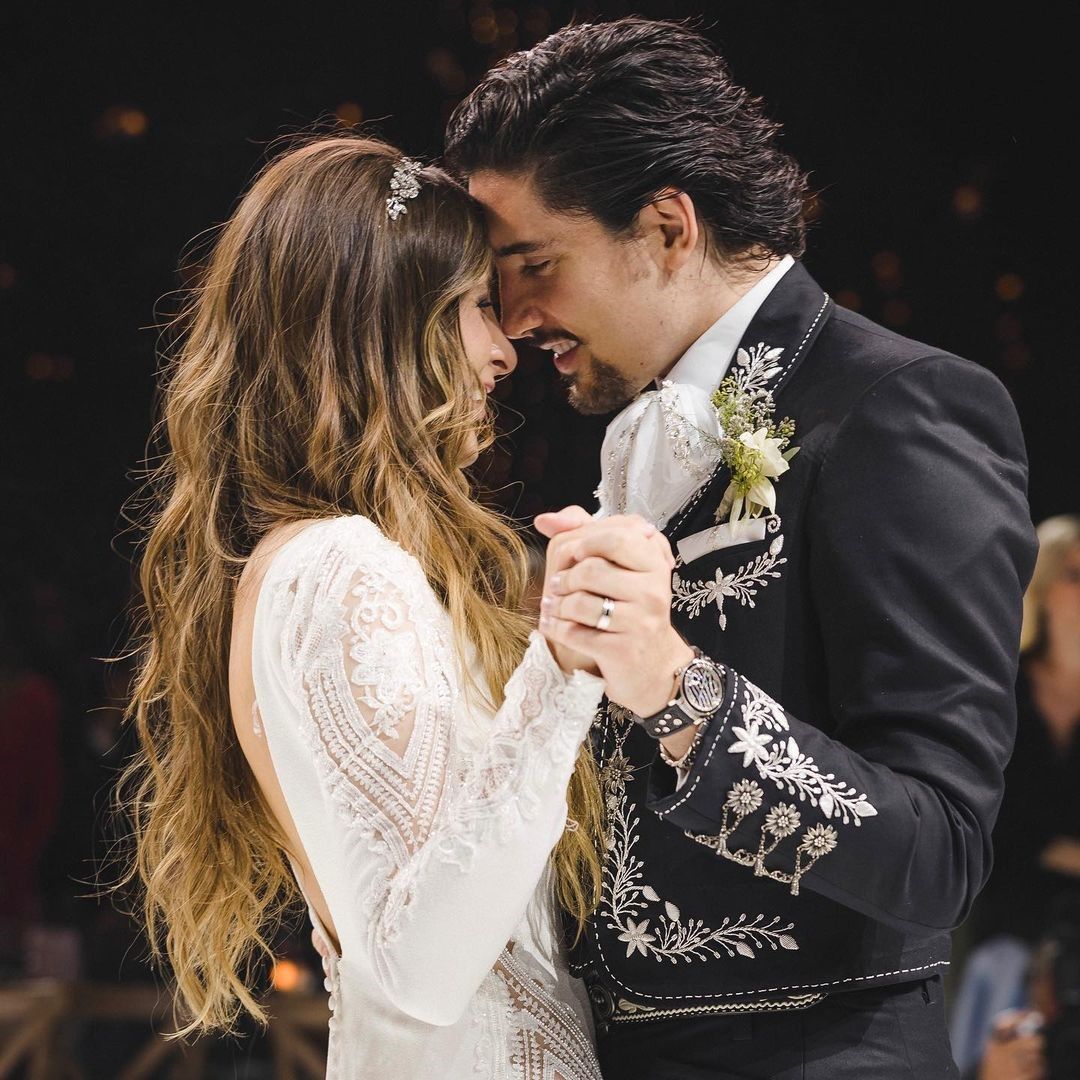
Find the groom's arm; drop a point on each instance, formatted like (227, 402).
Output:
(920, 548)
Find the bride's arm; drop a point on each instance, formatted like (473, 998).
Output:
(449, 849)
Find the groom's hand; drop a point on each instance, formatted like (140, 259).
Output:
(626, 560)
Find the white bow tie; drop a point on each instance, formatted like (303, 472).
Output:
(657, 452)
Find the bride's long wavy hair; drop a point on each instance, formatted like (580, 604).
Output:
(319, 371)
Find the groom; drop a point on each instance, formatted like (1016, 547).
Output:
(806, 815)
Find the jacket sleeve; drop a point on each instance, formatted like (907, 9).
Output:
(920, 547)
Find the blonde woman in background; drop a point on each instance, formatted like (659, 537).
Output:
(1037, 836)
(339, 696)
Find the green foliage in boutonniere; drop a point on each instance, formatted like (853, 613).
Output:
(754, 446)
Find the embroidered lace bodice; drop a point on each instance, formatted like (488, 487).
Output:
(427, 818)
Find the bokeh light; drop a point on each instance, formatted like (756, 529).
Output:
(896, 312)
(287, 976)
(1009, 287)
(887, 271)
(122, 122)
(349, 114)
(967, 201)
(447, 71)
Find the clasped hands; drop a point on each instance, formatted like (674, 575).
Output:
(628, 561)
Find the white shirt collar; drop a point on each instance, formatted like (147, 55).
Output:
(706, 362)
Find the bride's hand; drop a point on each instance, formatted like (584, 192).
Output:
(557, 527)
(627, 561)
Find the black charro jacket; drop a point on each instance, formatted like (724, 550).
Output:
(836, 822)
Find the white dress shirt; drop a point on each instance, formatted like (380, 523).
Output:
(666, 443)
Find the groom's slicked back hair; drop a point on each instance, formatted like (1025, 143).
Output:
(603, 116)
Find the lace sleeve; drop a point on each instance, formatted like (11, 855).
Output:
(439, 834)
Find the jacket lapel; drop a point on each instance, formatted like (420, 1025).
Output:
(776, 342)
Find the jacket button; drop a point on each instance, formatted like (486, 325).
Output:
(603, 1001)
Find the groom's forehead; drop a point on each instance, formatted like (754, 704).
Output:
(517, 221)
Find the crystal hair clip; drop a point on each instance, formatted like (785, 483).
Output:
(404, 184)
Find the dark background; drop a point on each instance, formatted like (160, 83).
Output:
(936, 136)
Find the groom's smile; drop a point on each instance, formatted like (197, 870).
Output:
(568, 285)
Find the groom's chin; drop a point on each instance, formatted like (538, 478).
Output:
(592, 396)
(582, 403)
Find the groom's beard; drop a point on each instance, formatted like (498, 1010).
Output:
(597, 388)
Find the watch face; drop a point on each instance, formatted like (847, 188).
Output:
(703, 687)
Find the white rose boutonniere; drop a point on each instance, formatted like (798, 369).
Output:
(754, 446)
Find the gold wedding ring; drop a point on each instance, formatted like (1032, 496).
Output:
(606, 611)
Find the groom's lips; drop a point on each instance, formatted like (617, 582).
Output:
(567, 361)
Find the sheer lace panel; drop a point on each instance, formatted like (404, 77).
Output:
(367, 651)
(546, 1039)
(366, 646)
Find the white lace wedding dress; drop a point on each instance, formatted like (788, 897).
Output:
(426, 818)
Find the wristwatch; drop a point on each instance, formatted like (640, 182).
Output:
(697, 693)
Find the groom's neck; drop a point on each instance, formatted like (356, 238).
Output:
(709, 297)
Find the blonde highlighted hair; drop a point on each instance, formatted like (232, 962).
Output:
(1057, 537)
(320, 371)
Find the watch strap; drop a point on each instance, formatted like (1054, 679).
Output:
(677, 714)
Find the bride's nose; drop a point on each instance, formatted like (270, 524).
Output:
(503, 357)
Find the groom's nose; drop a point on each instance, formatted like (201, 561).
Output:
(519, 316)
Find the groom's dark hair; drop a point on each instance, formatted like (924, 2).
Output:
(603, 116)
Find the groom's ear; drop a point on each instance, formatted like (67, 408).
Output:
(669, 224)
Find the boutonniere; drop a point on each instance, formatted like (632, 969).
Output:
(753, 444)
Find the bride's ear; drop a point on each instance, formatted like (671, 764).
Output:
(669, 225)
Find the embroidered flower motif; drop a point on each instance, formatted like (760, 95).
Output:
(751, 743)
(782, 820)
(818, 840)
(616, 773)
(636, 937)
(626, 898)
(745, 797)
(743, 584)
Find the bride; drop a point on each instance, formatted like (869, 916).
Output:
(339, 698)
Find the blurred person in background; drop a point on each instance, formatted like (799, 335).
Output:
(30, 710)
(1041, 1039)
(1037, 836)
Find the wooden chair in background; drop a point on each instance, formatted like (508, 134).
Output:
(40, 1021)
